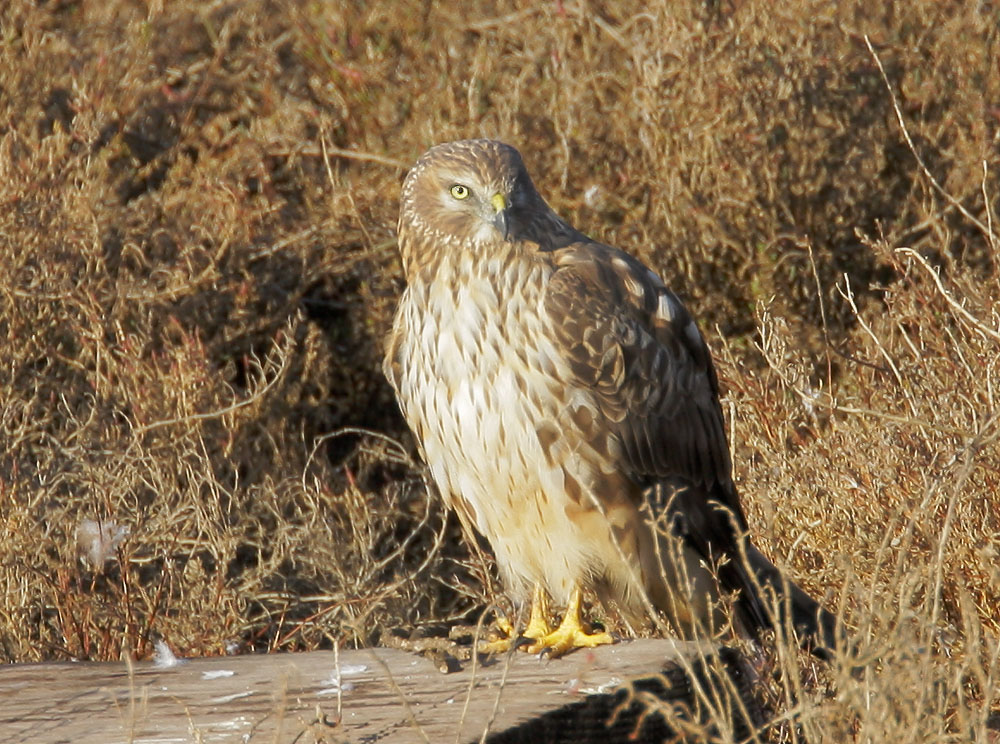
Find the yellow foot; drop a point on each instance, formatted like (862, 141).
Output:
(538, 637)
(503, 643)
(538, 627)
(570, 634)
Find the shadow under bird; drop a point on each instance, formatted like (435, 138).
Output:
(567, 407)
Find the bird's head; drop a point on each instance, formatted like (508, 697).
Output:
(471, 192)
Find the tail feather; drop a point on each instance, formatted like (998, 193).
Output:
(703, 527)
(815, 625)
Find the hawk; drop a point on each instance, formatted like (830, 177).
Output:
(567, 406)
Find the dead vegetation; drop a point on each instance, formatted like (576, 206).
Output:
(198, 267)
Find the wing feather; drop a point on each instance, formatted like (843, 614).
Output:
(630, 341)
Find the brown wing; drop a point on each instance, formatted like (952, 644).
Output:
(631, 341)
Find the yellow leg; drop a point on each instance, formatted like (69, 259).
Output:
(538, 620)
(538, 626)
(570, 634)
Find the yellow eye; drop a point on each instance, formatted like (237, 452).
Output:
(459, 191)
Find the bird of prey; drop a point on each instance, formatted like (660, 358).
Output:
(567, 406)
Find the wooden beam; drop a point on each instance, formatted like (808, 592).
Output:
(368, 695)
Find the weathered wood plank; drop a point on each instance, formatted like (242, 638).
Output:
(385, 695)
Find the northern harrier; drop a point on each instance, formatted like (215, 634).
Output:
(567, 407)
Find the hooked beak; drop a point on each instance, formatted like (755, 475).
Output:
(501, 221)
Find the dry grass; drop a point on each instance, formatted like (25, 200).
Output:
(197, 205)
